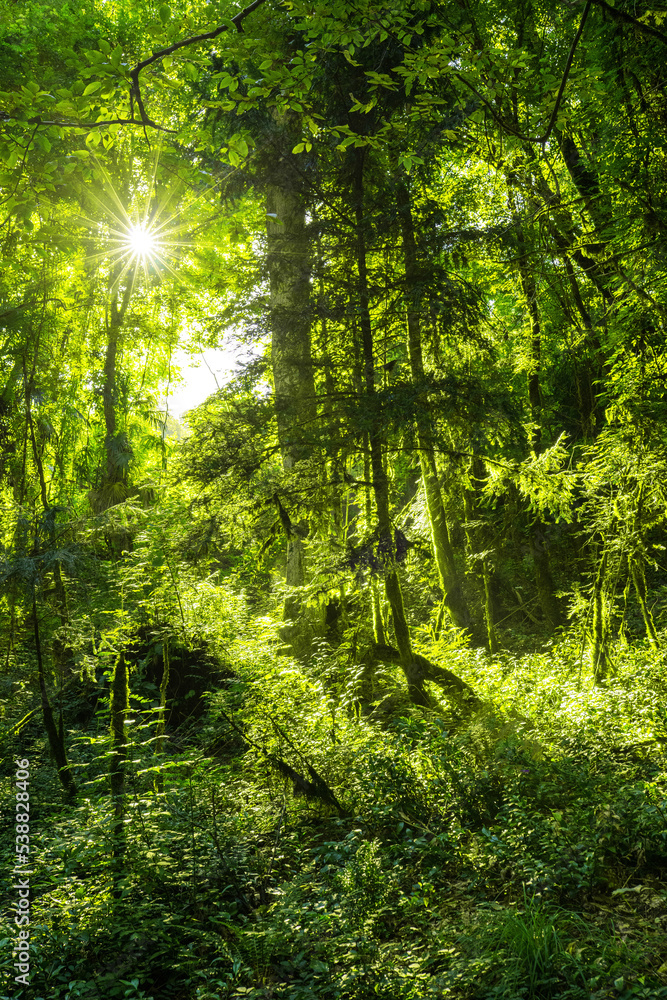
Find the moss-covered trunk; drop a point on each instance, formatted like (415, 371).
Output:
(55, 734)
(119, 706)
(448, 573)
(296, 411)
(600, 660)
(546, 590)
(478, 545)
(116, 443)
(638, 573)
(414, 666)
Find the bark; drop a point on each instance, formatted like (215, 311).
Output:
(119, 706)
(294, 386)
(56, 737)
(117, 446)
(452, 686)
(63, 654)
(477, 541)
(543, 577)
(413, 669)
(600, 632)
(289, 271)
(162, 711)
(616, 282)
(587, 184)
(622, 627)
(589, 363)
(376, 606)
(449, 577)
(529, 289)
(638, 574)
(118, 451)
(587, 368)
(546, 590)
(376, 441)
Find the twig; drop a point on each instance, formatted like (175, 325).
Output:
(561, 90)
(621, 15)
(206, 36)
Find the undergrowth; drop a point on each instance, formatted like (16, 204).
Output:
(520, 853)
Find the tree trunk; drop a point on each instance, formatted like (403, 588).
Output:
(413, 666)
(162, 710)
(588, 363)
(118, 451)
(448, 574)
(119, 706)
(638, 574)
(543, 577)
(529, 289)
(376, 440)
(600, 632)
(477, 542)
(117, 446)
(63, 654)
(546, 590)
(376, 607)
(56, 735)
(294, 386)
(622, 626)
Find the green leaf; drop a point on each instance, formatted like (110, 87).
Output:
(239, 145)
(92, 88)
(165, 12)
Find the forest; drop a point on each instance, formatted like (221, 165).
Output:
(349, 682)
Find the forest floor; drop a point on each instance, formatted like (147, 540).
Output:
(520, 853)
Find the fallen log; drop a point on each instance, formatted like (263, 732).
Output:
(452, 686)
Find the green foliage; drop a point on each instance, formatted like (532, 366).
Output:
(453, 383)
(461, 869)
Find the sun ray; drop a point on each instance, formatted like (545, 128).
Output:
(146, 239)
(155, 235)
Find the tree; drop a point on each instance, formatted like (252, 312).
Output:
(289, 266)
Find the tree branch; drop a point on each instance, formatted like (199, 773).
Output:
(566, 73)
(561, 90)
(621, 15)
(135, 90)
(205, 36)
(86, 126)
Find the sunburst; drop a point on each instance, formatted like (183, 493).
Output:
(148, 237)
(142, 242)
